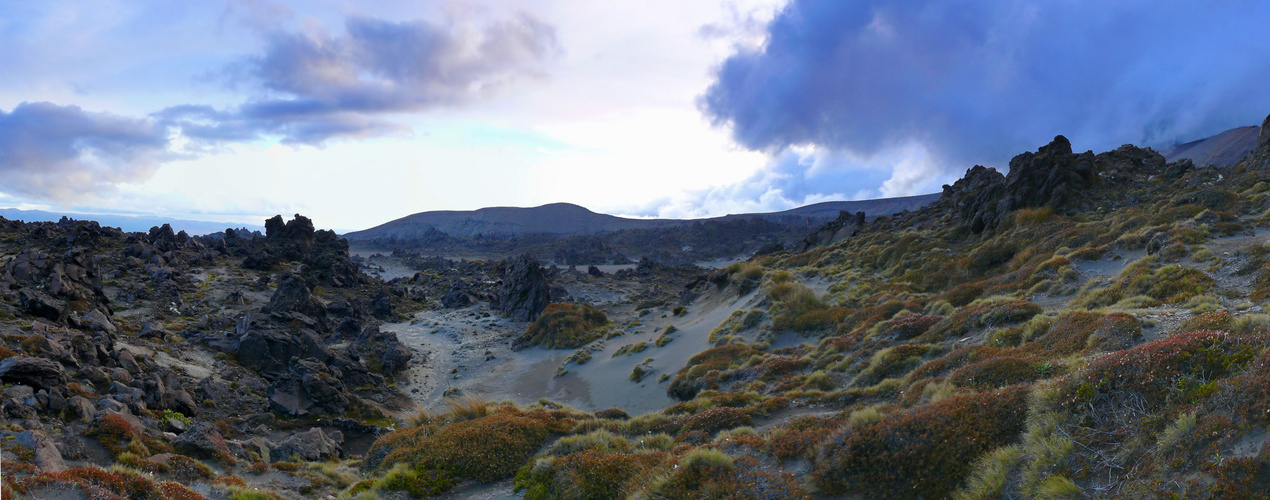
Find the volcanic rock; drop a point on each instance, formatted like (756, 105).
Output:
(312, 445)
(525, 292)
(39, 373)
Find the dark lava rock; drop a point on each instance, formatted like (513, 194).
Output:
(38, 304)
(202, 440)
(312, 445)
(310, 388)
(1052, 177)
(457, 297)
(294, 296)
(270, 350)
(594, 271)
(39, 373)
(382, 350)
(525, 291)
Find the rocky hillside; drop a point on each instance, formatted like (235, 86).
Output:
(1222, 150)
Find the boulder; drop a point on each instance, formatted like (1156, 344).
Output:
(44, 449)
(82, 407)
(294, 295)
(39, 373)
(311, 387)
(202, 440)
(382, 350)
(37, 303)
(270, 350)
(456, 298)
(312, 445)
(525, 292)
(97, 321)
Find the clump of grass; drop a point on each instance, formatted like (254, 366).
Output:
(1177, 432)
(991, 474)
(565, 326)
(467, 407)
(629, 349)
(1201, 304)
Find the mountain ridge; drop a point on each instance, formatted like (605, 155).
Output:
(566, 219)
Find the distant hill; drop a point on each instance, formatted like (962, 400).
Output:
(564, 219)
(871, 208)
(1223, 149)
(128, 223)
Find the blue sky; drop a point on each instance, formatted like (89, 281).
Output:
(356, 113)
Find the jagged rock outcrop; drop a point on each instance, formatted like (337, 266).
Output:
(845, 226)
(54, 287)
(974, 197)
(311, 387)
(323, 253)
(293, 296)
(1053, 176)
(525, 292)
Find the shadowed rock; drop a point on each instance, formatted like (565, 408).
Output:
(525, 291)
(39, 373)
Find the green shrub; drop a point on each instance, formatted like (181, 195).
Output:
(484, 449)
(565, 326)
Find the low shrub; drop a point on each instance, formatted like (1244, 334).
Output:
(704, 369)
(484, 449)
(996, 372)
(982, 314)
(716, 419)
(1170, 369)
(905, 326)
(920, 452)
(565, 326)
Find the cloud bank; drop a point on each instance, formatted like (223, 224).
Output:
(979, 81)
(306, 87)
(64, 153)
(314, 86)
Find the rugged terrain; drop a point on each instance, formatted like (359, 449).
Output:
(1085, 325)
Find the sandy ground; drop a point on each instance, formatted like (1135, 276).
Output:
(469, 350)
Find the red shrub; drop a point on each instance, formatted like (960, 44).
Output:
(1162, 368)
(925, 451)
(715, 420)
(996, 372)
(907, 326)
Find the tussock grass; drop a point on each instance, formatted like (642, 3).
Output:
(467, 407)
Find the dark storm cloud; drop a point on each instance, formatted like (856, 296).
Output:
(63, 152)
(314, 86)
(979, 81)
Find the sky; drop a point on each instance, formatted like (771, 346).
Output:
(356, 113)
